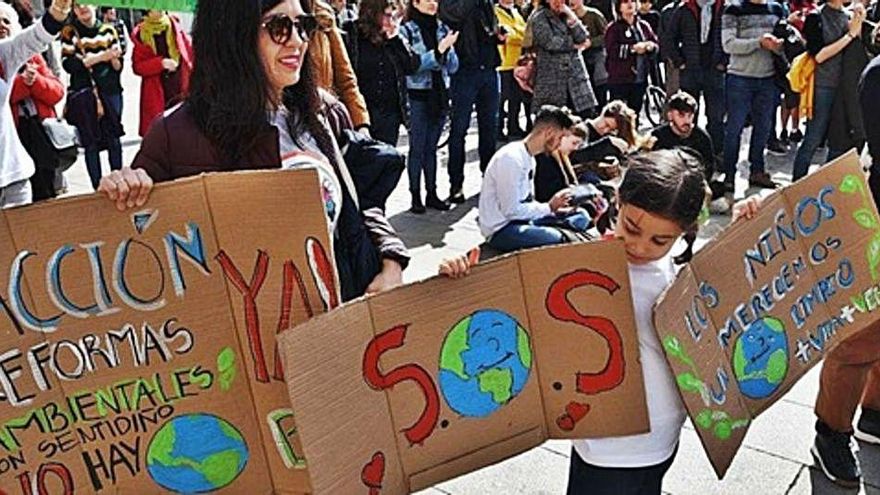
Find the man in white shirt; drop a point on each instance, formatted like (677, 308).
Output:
(508, 214)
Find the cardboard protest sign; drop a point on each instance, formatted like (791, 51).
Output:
(137, 350)
(423, 383)
(764, 302)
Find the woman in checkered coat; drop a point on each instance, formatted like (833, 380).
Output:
(561, 78)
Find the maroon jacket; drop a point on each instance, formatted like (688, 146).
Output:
(174, 147)
(620, 61)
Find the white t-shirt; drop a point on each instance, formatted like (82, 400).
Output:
(665, 410)
(507, 192)
(307, 154)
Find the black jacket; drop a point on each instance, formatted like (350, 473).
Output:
(381, 71)
(477, 45)
(680, 39)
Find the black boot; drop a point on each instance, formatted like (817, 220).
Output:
(432, 201)
(456, 196)
(417, 207)
(833, 452)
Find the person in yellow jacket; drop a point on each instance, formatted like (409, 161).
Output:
(513, 27)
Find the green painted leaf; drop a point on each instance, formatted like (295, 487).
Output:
(704, 418)
(865, 218)
(859, 302)
(873, 254)
(689, 383)
(723, 429)
(850, 184)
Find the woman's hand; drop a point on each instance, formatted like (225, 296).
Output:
(460, 266)
(390, 277)
(127, 187)
(169, 64)
(746, 209)
(855, 24)
(447, 42)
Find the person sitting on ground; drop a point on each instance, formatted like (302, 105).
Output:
(681, 130)
(509, 216)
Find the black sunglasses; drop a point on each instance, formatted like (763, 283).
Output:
(280, 27)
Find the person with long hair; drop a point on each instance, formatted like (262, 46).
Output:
(253, 104)
(381, 62)
(630, 43)
(428, 94)
(16, 166)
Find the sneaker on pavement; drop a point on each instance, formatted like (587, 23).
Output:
(433, 202)
(456, 197)
(762, 180)
(868, 427)
(834, 454)
(796, 136)
(776, 147)
(784, 138)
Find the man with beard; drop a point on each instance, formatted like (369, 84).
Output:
(681, 131)
(509, 216)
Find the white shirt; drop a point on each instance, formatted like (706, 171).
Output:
(665, 410)
(507, 192)
(15, 163)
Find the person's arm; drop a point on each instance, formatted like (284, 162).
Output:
(47, 88)
(869, 99)
(152, 157)
(551, 40)
(730, 41)
(597, 38)
(816, 42)
(670, 40)
(507, 189)
(385, 238)
(34, 39)
(145, 62)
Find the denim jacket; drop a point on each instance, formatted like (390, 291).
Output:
(448, 64)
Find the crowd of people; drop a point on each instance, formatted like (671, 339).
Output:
(282, 84)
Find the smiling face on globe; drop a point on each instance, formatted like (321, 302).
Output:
(760, 358)
(484, 363)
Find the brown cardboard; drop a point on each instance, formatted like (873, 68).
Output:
(815, 241)
(452, 373)
(153, 372)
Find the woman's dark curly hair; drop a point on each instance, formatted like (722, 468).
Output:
(368, 19)
(230, 94)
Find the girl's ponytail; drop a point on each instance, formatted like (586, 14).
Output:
(685, 257)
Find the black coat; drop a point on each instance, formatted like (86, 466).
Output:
(680, 39)
(477, 45)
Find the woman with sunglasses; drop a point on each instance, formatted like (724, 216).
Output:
(16, 166)
(381, 62)
(253, 104)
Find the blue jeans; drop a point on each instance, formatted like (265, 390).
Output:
(748, 95)
(823, 102)
(471, 87)
(539, 232)
(708, 83)
(114, 147)
(424, 133)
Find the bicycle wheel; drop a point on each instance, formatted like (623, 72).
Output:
(655, 104)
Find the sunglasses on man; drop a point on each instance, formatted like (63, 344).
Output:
(280, 27)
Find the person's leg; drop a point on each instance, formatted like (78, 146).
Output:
(463, 93)
(429, 164)
(842, 385)
(636, 97)
(93, 165)
(516, 235)
(114, 147)
(823, 101)
(487, 115)
(514, 105)
(652, 482)
(765, 99)
(584, 478)
(868, 429)
(384, 126)
(418, 142)
(738, 100)
(504, 97)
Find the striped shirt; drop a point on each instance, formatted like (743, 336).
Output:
(77, 41)
(743, 24)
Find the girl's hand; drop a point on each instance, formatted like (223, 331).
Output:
(447, 41)
(127, 187)
(461, 265)
(391, 276)
(746, 208)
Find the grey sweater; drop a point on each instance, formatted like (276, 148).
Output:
(742, 25)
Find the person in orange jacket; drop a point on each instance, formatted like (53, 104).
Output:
(163, 57)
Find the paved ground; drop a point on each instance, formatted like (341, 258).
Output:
(775, 458)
